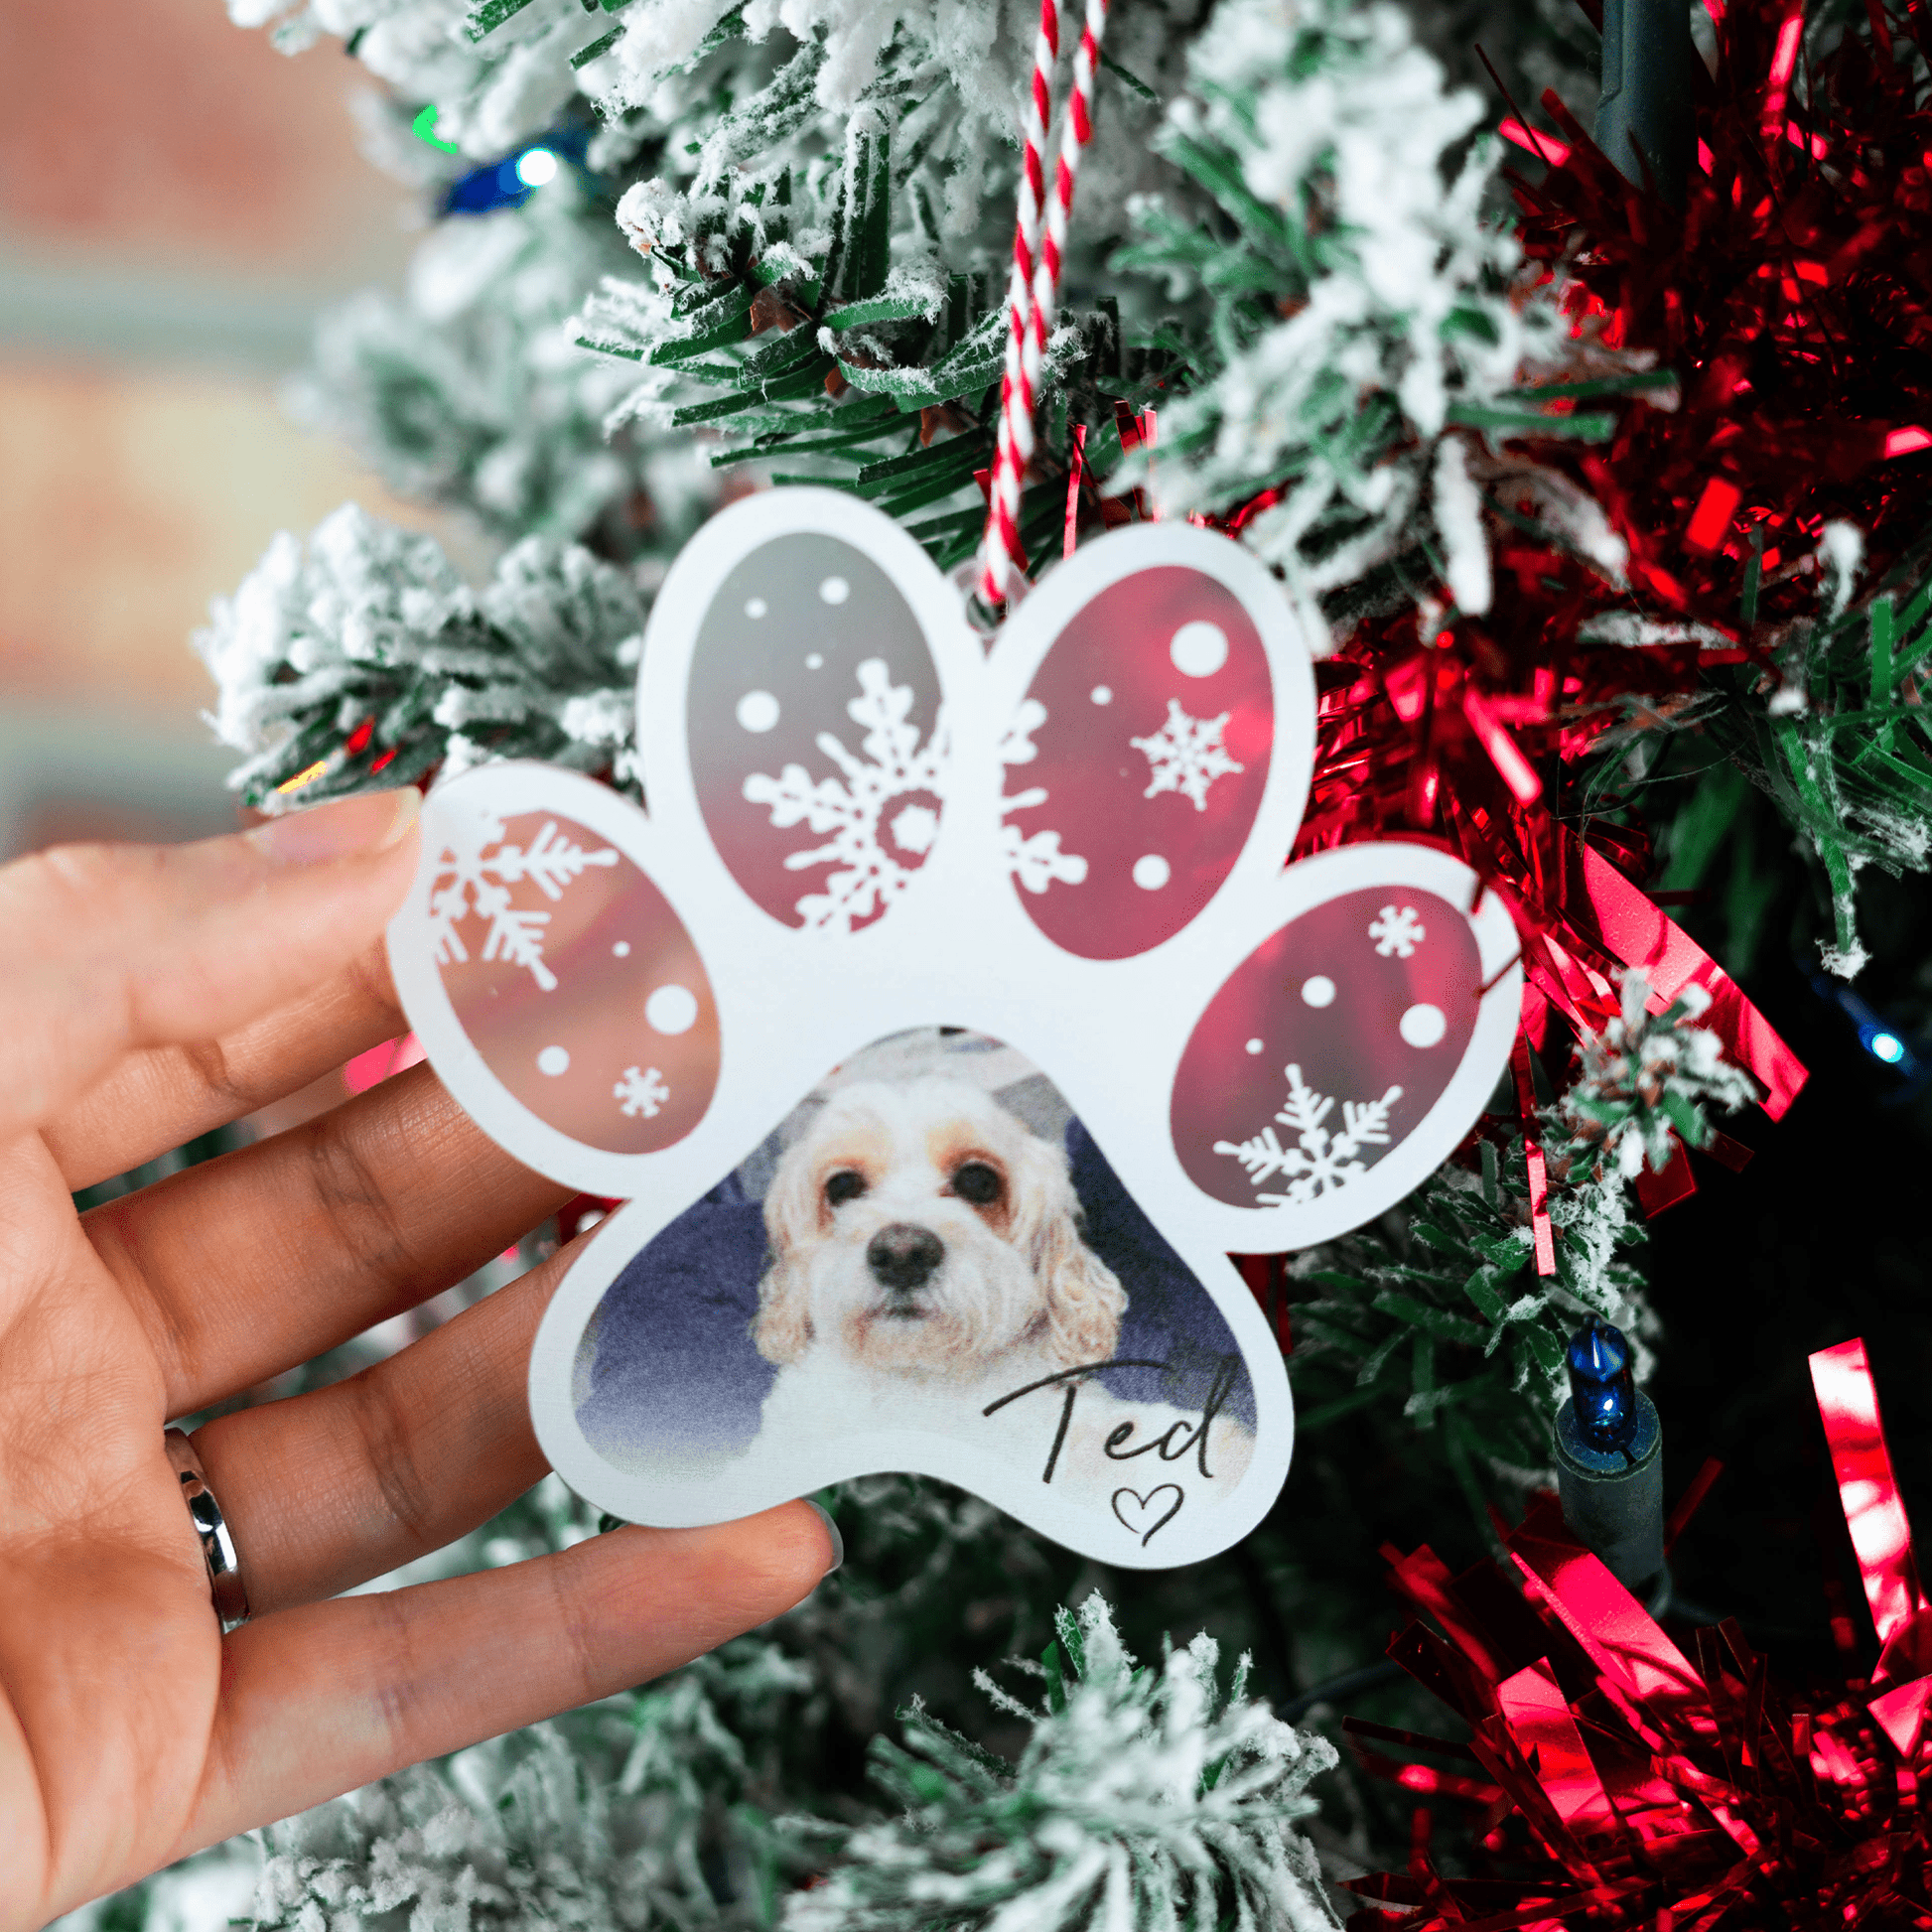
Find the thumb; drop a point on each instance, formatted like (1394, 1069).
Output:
(109, 948)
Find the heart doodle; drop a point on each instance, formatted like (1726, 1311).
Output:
(1131, 1522)
(945, 1023)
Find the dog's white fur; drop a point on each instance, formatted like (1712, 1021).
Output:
(1015, 1295)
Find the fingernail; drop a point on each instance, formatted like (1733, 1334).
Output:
(368, 823)
(832, 1531)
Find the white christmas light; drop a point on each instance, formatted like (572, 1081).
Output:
(535, 167)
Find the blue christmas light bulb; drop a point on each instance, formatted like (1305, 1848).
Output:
(1609, 1445)
(1602, 1386)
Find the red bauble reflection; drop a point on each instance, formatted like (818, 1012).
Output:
(1151, 757)
(1350, 1021)
(578, 986)
(812, 722)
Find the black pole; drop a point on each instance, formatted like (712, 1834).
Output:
(1645, 105)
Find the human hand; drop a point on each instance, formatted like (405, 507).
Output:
(147, 996)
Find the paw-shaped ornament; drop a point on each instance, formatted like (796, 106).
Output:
(945, 1023)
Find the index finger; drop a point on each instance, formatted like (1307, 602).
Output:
(318, 1699)
(106, 950)
(159, 1097)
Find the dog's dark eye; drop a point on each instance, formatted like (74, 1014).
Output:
(977, 1182)
(845, 1186)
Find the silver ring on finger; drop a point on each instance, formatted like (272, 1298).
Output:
(218, 1546)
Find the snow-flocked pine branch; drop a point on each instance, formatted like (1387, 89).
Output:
(1369, 335)
(365, 654)
(1145, 1800)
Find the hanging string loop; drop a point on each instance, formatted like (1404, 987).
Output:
(1032, 296)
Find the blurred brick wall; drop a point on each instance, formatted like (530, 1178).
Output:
(126, 499)
(177, 202)
(157, 131)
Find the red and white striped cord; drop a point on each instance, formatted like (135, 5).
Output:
(1032, 296)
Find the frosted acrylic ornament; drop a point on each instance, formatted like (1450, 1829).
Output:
(945, 1024)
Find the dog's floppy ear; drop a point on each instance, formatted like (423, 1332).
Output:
(782, 1329)
(1083, 1299)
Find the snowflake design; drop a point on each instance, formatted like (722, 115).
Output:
(1322, 1161)
(914, 828)
(868, 878)
(1036, 860)
(474, 874)
(1186, 755)
(1398, 933)
(640, 1093)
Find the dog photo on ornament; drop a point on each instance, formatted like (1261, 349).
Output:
(934, 1242)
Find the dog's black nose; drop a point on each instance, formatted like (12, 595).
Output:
(903, 1256)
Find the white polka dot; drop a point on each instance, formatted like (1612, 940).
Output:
(1423, 1026)
(835, 589)
(1199, 649)
(1253, 1046)
(622, 949)
(672, 1009)
(815, 662)
(1318, 991)
(1102, 694)
(1151, 872)
(758, 711)
(554, 1060)
(755, 606)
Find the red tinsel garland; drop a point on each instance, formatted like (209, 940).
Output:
(1792, 300)
(1792, 296)
(1628, 1786)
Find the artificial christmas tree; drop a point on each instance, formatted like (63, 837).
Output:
(1602, 499)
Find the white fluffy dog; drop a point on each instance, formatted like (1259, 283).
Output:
(927, 1262)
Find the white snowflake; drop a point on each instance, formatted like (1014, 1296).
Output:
(1321, 1162)
(868, 878)
(1396, 932)
(1186, 755)
(1036, 860)
(640, 1092)
(475, 873)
